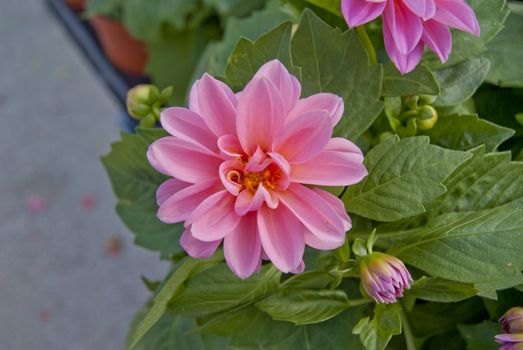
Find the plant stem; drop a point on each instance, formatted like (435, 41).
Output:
(407, 331)
(367, 44)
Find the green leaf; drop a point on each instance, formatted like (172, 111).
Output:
(315, 279)
(469, 247)
(506, 54)
(464, 132)
(135, 183)
(480, 336)
(403, 176)
(173, 57)
(302, 306)
(491, 288)
(235, 8)
(332, 6)
(249, 56)
(440, 290)
(336, 62)
(170, 287)
(421, 81)
(248, 327)
(376, 333)
(431, 318)
(485, 181)
(170, 333)
(218, 289)
(491, 15)
(252, 27)
(459, 82)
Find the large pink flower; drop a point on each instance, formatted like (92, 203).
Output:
(242, 165)
(409, 25)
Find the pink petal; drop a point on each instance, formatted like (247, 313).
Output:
(314, 212)
(329, 102)
(358, 12)
(288, 86)
(304, 137)
(169, 188)
(183, 160)
(300, 268)
(242, 248)
(457, 14)
(230, 174)
(247, 201)
(281, 235)
(188, 126)
(230, 146)
(332, 168)
(423, 8)
(215, 103)
(404, 63)
(195, 248)
(404, 26)
(258, 161)
(260, 115)
(179, 206)
(337, 205)
(214, 218)
(312, 241)
(437, 36)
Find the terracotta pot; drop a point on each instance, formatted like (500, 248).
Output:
(125, 52)
(77, 5)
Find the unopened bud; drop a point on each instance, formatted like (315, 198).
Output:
(427, 99)
(512, 320)
(138, 95)
(427, 118)
(384, 277)
(411, 102)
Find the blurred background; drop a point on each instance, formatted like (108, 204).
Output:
(69, 273)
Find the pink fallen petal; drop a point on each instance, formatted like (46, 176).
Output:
(36, 204)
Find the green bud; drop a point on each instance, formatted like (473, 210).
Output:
(427, 99)
(138, 95)
(140, 111)
(428, 117)
(519, 118)
(386, 135)
(148, 122)
(394, 124)
(154, 94)
(166, 94)
(411, 102)
(359, 247)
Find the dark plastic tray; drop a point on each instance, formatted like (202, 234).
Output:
(82, 33)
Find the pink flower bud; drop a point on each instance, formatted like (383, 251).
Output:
(510, 341)
(384, 277)
(512, 320)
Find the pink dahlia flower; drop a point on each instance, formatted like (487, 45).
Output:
(384, 277)
(242, 165)
(409, 25)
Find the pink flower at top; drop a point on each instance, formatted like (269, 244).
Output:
(409, 25)
(242, 166)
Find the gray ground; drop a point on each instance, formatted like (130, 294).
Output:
(60, 287)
